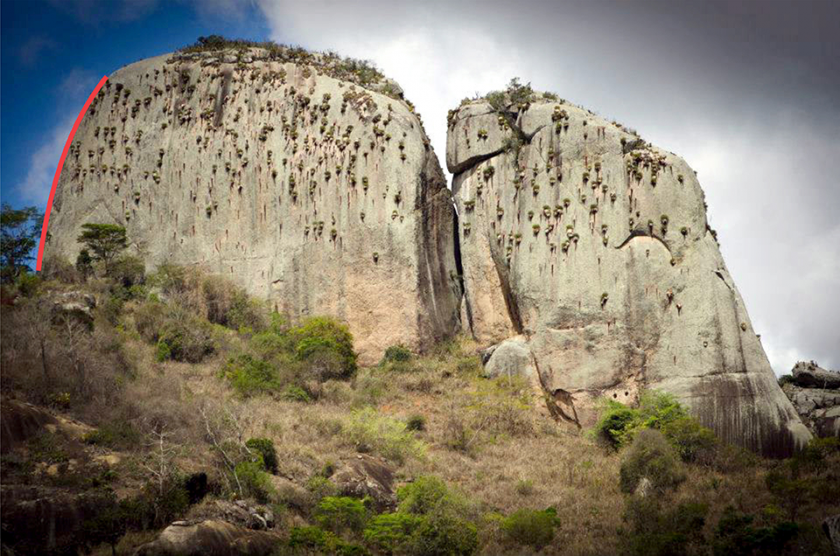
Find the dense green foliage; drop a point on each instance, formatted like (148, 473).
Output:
(341, 514)
(428, 520)
(619, 423)
(19, 229)
(534, 528)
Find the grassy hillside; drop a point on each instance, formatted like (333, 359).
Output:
(174, 374)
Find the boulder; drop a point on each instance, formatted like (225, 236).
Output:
(210, 538)
(240, 513)
(21, 421)
(291, 179)
(44, 520)
(815, 394)
(594, 246)
(366, 476)
(811, 375)
(511, 357)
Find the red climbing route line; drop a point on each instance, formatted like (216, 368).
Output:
(58, 172)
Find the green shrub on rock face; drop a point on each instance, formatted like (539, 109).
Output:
(619, 424)
(651, 457)
(693, 441)
(534, 528)
(326, 346)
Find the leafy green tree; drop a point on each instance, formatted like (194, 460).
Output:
(19, 230)
(103, 241)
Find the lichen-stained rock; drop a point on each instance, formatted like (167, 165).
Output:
(594, 245)
(305, 178)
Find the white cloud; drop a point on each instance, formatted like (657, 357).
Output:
(35, 188)
(72, 93)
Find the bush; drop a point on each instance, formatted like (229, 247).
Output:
(265, 448)
(398, 353)
(341, 514)
(651, 457)
(368, 431)
(534, 528)
(255, 482)
(295, 393)
(251, 376)
(693, 441)
(657, 533)
(324, 542)
(326, 346)
(392, 533)
(185, 339)
(736, 535)
(618, 424)
(416, 423)
(127, 271)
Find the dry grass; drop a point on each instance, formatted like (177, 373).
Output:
(483, 437)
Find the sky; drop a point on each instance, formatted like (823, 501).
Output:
(746, 91)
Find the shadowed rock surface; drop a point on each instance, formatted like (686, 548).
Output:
(594, 245)
(321, 194)
(210, 538)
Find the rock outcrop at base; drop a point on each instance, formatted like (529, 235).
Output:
(815, 394)
(305, 178)
(594, 245)
(210, 538)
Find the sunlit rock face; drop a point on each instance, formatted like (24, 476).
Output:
(304, 178)
(595, 246)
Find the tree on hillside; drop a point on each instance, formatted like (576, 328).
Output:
(19, 229)
(103, 242)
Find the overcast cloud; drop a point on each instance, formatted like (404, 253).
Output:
(746, 92)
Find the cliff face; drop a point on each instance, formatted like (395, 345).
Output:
(279, 170)
(594, 245)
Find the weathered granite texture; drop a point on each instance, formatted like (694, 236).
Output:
(815, 393)
(316, 193)
(594, 245)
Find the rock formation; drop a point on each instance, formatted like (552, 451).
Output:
(305, 178)
(594, 246)
(815, 393)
